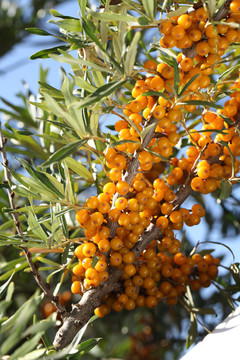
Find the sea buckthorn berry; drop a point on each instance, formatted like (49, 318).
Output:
(144, 156)
(130, 270)
(178, 32)
(197, 184)
(121, 203)
(89, 249)
(104, 245)
(116, 243)
(201, 14)
(120, 162)
(119, 125)
(133, 204)
(78, 252)
(195, 35)
(130, 305)
(185, 21)
(104, 207)
(91, 274)
(76, 287)
(232, 35)
(101, 265)
(124, 220)
(82, 216)
(186, 64)
(175, 115)
(197, 209)
(202, 48)
(157, 83)
(78, 270)
(97, 219)
(212, 271)
(165, 287)
(197, 258)
(150, 302)
(115, 174)
(166, 208)
(235, 6)
(103, 276)
(150, 65)
(180, 258)
(166, 27)
(114, 214)
(162, 222)
(158, 112)
(202, 266)
(109, 188)
(115, 259)
(92, 202)
(175, 217)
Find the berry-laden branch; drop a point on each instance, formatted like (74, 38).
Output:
(34, 270)
(131, 256)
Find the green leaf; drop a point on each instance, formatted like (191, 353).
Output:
(224, 143)
(204, 311)
(65, 151)
(55, 13)
(100, 93)
(51, 90)
(89, 31)
(69, 24)
(43, 54)
(226, 73)
(26, 347)
(226, 189)
(83, 84)
(188, 84)
(156, 93)
(131, 54)
(176, 77)
(181, 10)
(212, 7)
(41, 177)
(149, 7)
(108, 16)
(37, 31)
(68, 59)
(94, 261)
(192, 333)
(78, 168)
(5, 285)
(201, 103)
(36, 227)
(34, 355)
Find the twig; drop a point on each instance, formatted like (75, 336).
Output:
(15, 216)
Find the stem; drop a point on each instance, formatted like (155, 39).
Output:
(34, 269)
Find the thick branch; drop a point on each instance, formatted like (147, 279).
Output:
(82, 312)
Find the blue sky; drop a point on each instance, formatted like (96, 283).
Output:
(16, 66)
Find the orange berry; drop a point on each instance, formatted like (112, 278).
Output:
(150, 65)
(76, 287)
(82, 216)
(115, 259)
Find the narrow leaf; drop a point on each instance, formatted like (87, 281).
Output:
(65, 151)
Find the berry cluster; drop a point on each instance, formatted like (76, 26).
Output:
(161, 276)
(136, 198)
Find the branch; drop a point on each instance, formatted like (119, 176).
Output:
(45, 287)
